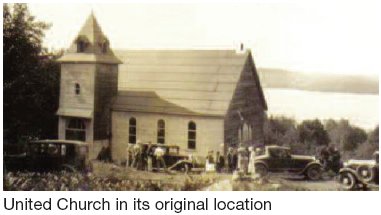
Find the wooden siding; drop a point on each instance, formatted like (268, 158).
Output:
(84, 75)
(247, 100)
(199, 82)
(209, 132)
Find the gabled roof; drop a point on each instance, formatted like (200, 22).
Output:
(179, 82)
(90, 33)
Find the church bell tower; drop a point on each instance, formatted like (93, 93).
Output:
(89, 81)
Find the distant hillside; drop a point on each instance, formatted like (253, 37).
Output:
(278, 78)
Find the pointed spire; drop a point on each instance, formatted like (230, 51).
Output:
(92, 42)
(92, 30)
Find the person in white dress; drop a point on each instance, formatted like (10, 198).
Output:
(251, 161)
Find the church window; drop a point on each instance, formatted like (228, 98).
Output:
(191, 135)
(81, 45)
(76, 129)
(82, 42)
(104, 46)
(161, 131)
(132, 131)
(77, 89)
(76, 124)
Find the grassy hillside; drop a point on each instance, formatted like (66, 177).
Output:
(277, 78)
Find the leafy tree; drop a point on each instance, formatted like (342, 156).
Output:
(373, 136)
(366, 149)
(280, 131)
(338, 132)
(312, 133)
(344, 135)
(31, 77)
(355, 137)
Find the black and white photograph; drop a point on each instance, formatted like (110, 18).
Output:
(256, 96)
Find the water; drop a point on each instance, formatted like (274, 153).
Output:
(360, 109)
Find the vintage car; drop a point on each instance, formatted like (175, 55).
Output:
(172, 157)
(359, 174)
(280, 159)
(50, 155)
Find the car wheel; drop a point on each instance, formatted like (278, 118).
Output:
(347, 180)
(365, 173)
(314, 172)
(261, 170)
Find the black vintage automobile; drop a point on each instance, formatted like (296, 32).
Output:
(51, 155)
(280, 159)
(360, 174)
(172, 157)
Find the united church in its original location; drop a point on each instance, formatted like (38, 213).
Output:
(199, 100)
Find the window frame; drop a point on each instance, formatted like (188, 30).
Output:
(81, 46)
(160, 131)
(192, 130)
(132, 123)
(77, 89)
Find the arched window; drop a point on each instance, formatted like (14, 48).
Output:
(250, 132)
(82, 42)
(191, 135)
(76, 129)
(161, 131)
(76, 124)
(81, 46)
(104, 46)
(240, 134)
(132, 131)
(245, 132)
(77, 89)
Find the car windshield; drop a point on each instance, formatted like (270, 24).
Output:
(280, 153)
(173, 150)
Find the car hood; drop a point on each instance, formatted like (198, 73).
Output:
(360, 163)
(260, 157)
(303, 157)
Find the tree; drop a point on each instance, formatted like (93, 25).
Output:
(355, 137)
(373, 137)
(312, 133)
(31, 77)
(280, 131)
(366, 149)
(344, 135)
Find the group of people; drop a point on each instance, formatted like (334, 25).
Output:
(330, 158)
(143, 156)
(239, 159)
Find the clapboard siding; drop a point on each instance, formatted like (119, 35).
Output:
(248, 101)
(83, 74)
(209, 132)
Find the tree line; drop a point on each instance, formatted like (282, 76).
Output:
(309, 136)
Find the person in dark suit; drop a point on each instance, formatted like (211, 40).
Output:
(220, 162)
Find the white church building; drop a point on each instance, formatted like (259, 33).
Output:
(200, 100)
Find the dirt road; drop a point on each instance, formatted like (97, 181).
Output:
(220, 182)
(276, 183)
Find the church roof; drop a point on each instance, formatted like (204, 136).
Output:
(91, 34)
(186, 82)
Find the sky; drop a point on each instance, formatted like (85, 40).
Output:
(328, 37)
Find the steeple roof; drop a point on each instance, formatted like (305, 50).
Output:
(95, 45)
(92, 30)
